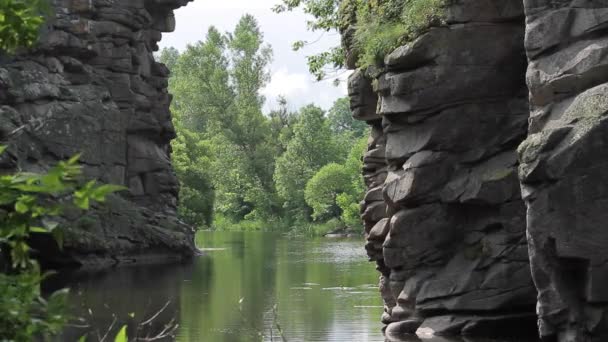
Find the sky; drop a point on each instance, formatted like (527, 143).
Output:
(289, 72)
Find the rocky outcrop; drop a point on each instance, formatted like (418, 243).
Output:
(563, 166)
(444, 213)
(91, 86)
(444, 218)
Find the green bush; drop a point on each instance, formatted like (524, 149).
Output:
(29, 203)
(20, 21)
(24, 313)
(323, 188)
(381, 27)
(223, 223)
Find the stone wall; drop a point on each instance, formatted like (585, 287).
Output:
(91, 86)
(450, 176)
(444, 217)
(564, 165)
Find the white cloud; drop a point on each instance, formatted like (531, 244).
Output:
(290, 75)
(232, 4)
(285, 83)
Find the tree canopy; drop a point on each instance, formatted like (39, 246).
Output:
(237, 163)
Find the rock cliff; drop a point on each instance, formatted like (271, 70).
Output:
(92, 86)
(444, 217)
(563, 166)
(457, 207)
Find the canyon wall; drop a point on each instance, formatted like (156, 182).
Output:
(564, 163)
(91, 86)
(465, 244)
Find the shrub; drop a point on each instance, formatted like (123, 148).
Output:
(28, 204)
(382, 27)
(20, 21)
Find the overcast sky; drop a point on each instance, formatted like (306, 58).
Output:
(290, 76)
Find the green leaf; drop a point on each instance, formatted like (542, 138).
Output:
(74, 160)
(39, 230)
(122, 335)
(58, 235)
(99, 194)
(21, 207)
(82, 202)
(49, 225)
(2, 148)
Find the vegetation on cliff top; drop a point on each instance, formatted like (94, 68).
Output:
(380, 26)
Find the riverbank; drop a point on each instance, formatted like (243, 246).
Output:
(331, 228)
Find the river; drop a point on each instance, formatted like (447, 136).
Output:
(323, 289)
(247, 287)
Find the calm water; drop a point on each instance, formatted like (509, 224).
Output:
(324, 290)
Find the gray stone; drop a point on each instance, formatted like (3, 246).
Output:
(563, 165)
(92, 86)
(454, 109)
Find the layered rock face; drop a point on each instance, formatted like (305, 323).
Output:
(91, 86)
(443, 215)
(563, 166)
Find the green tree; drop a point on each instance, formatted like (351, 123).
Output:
(323, 189)
(341, 120)
(192, 161)
(348, 201)
(20, 21)
(169, 57)
(244, 172)
(312, 147)
(216, 85)
(282, 121)
(200, 82)
(336, 189)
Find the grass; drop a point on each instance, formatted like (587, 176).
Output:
(383, 26)
(313, 229)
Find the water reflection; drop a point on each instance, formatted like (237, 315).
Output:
(324, 291)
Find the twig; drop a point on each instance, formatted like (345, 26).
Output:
(276, 323)
(156, 315)
(109, 329)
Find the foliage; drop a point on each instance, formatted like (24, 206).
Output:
(380, 26)
(383, 26)
(20, 21)
(240, 169)
(341, 120)
(29, 203)
(225, 150)
(191, 160)
(323, 188)
(348, 201)
(336, 189)
(24, 313)
(313, 145)
(199, 82)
